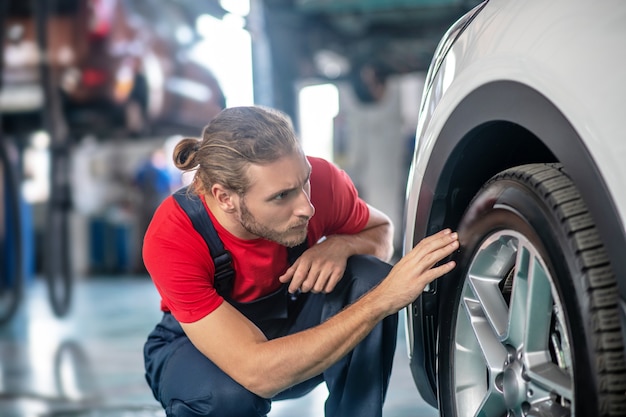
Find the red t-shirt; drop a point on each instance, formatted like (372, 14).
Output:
(178, 259)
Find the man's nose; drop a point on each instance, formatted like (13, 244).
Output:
(304, 208)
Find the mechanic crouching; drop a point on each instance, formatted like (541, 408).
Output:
(272, 276)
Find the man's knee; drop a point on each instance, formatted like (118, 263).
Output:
(366, 271)
(363, 272)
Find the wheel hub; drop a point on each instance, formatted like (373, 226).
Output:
(514, 383)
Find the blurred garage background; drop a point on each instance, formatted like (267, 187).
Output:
(94, 94)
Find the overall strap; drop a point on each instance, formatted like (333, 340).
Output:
(224, 272)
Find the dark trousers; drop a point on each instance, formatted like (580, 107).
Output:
(187, 383)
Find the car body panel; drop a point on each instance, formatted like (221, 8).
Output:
(547, 70)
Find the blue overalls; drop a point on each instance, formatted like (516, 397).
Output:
(187, 383)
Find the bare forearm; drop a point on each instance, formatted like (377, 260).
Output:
(376, 241)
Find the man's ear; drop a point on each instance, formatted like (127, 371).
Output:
(224, 198)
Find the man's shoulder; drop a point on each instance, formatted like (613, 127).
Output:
(316, 160)
(322, 168)
(170, 215)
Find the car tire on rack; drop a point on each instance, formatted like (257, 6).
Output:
(11, 239)
(530, 324)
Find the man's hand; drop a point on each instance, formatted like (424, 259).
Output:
(319, 268)
(416, 269)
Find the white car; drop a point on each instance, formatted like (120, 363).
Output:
(520, 147)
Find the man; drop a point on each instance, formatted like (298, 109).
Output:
(281, 329)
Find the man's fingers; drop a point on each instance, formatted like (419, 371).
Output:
(286, 277)
(435, 247)
(438, 271)
(309, 283)
(300, 274)
(430, 243)
(295, 284)
(441, 252)
(332, 282)
(439, 240)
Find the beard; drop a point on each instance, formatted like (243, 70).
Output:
(292, 236)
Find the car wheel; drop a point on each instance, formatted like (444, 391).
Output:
(529, 322)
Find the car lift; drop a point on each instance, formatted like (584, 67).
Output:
(57, 257)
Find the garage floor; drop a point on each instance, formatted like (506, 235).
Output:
(90, 363)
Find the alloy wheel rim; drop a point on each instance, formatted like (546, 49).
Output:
(512, 355)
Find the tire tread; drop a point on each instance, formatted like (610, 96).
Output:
(552, 182)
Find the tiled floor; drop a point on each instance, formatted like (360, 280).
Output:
(90, 363)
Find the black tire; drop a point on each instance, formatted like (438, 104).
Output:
(59, 275)
(529, 322)
(58, 259)
(11, 287)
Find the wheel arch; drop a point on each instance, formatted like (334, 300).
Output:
(470, 149)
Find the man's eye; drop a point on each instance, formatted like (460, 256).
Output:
(281, 196)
